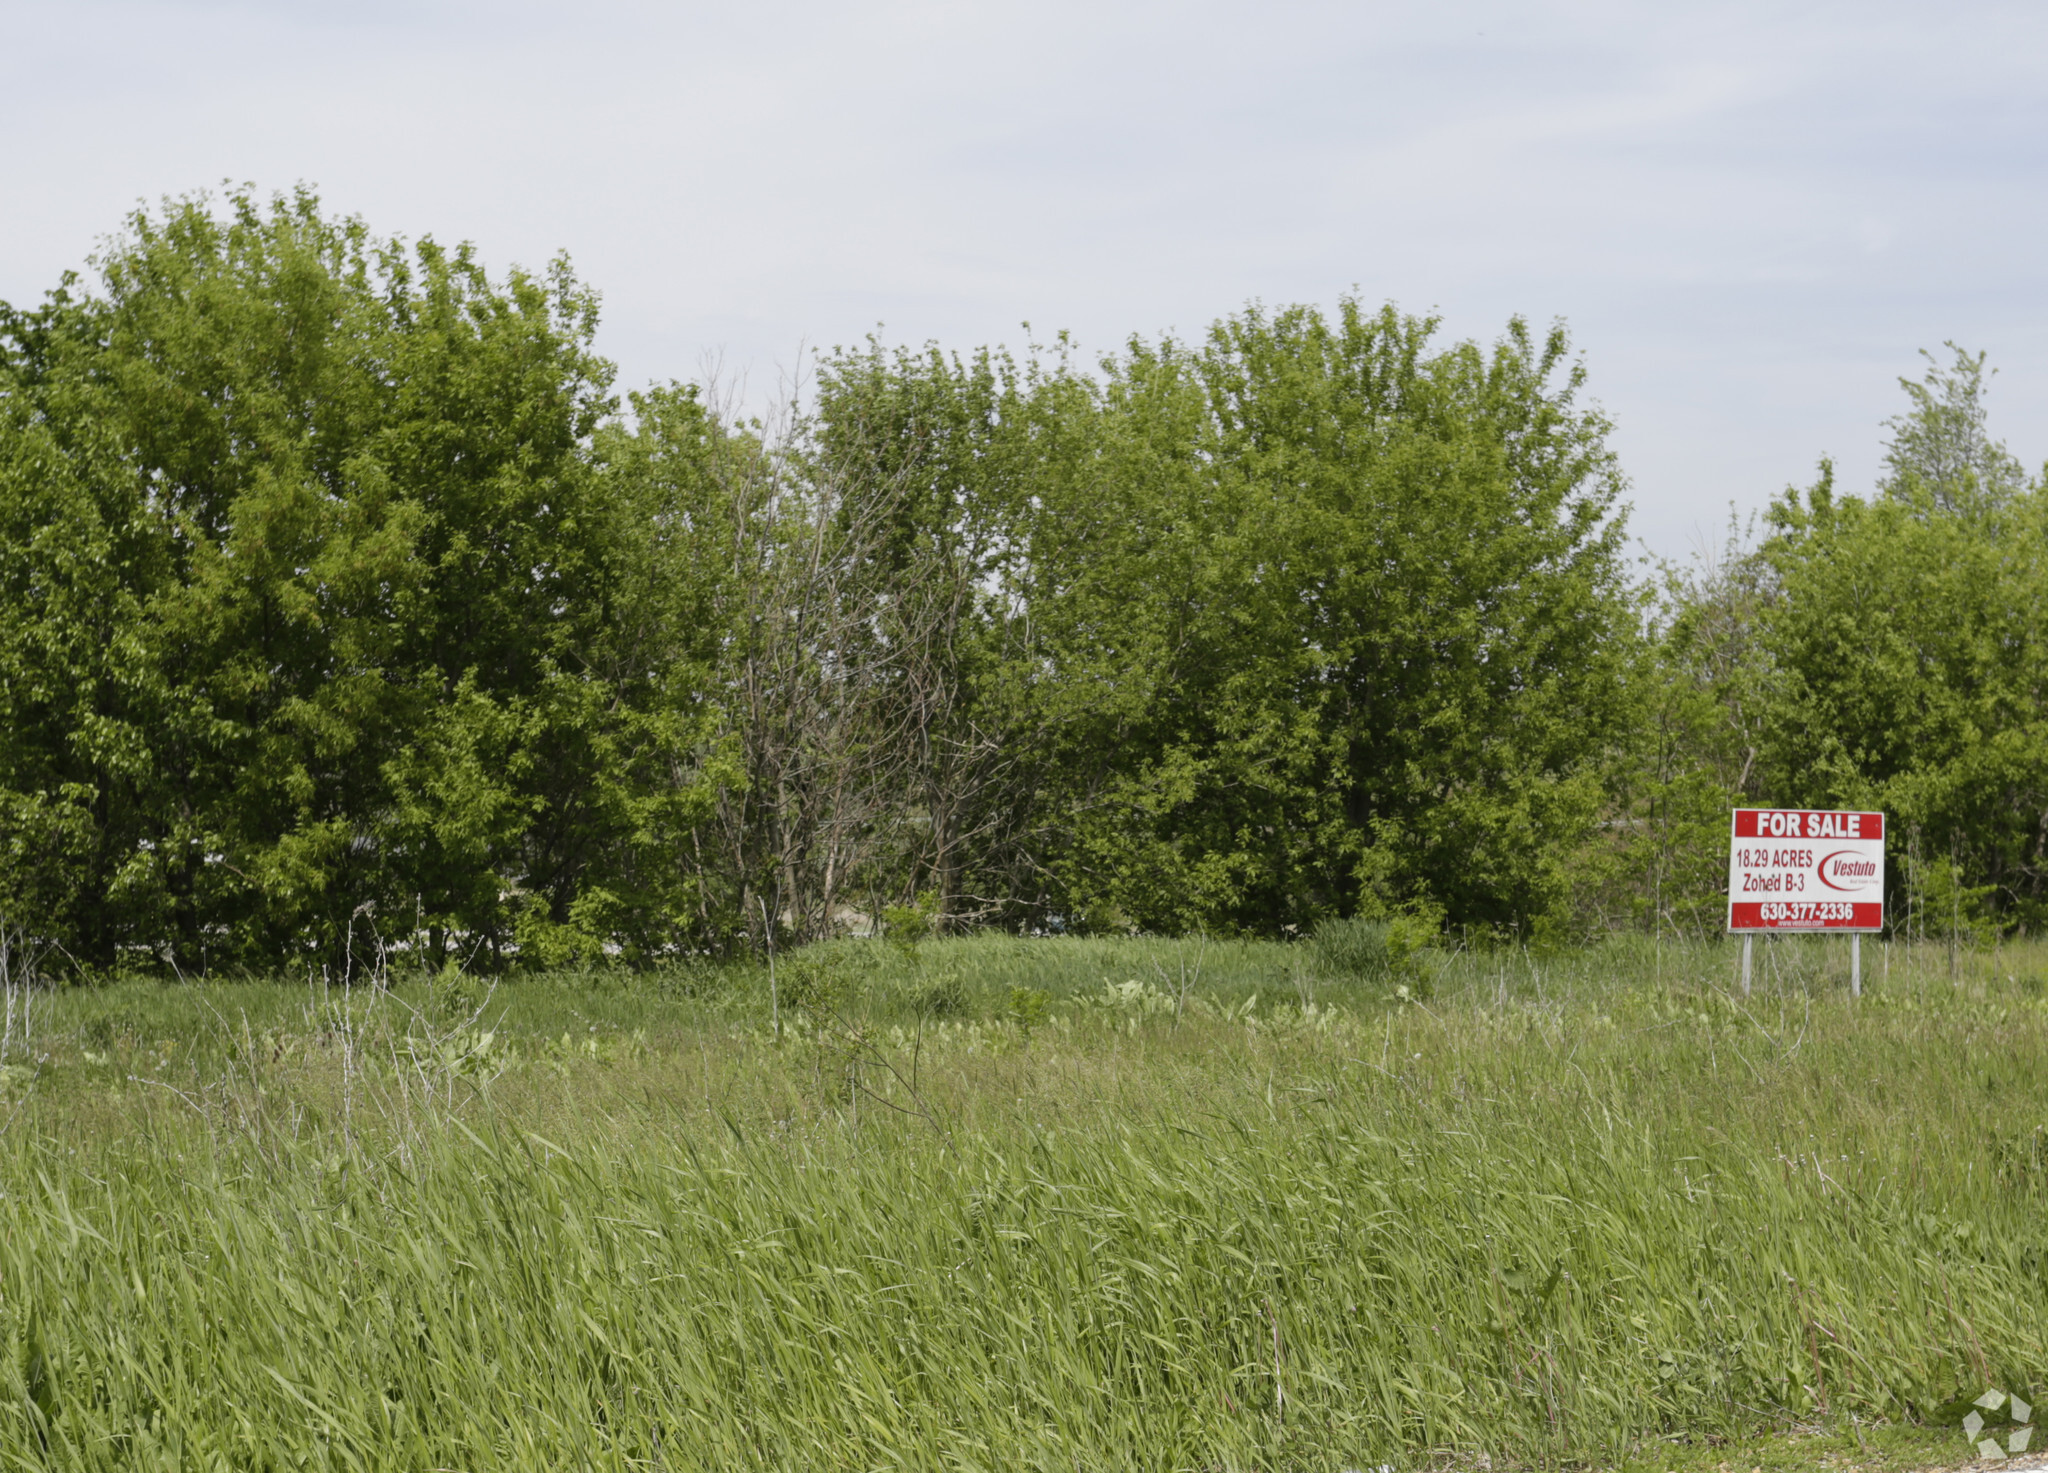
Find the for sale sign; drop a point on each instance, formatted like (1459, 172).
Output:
(1802, 869)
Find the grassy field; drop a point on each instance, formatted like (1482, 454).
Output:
(1008, 1204)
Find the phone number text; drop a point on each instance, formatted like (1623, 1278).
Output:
(1807, 910)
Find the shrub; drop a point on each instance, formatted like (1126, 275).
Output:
(944, 998)
(1353, 947)
(1390, 950)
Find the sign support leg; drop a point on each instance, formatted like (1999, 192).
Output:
(1856, 964)
(1747, 941)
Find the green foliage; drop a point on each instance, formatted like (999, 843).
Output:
(906, 926)
(346, 614)
(1936, 900)
(1029, 1007)
(1565, 1216)
(309, 584)
(1409, 935)
(1694, 747)
(943, 997)
(1909, 661)
(1882, 652)
(1293, 623)
(1352, 946)
(1941, 453)
(1390, 951)
(821, 981)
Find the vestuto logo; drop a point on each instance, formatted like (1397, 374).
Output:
(1846, 869)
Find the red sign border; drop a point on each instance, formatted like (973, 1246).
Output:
(1849, 926)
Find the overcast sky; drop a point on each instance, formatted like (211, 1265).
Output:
(1751, 216)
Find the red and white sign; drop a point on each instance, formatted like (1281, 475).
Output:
(1804, 869)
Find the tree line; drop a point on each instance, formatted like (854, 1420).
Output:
(341, 592)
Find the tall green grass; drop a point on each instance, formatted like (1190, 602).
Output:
(1022, 1204)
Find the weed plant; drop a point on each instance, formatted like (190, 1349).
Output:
(1008, 1203)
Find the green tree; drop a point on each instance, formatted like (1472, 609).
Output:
(1878, 652)
(359, 579)
(1910, 664)
(336, 591)
(80, 688)
(951, 458)
(1941, 452)
(1322, 620)
(1695, 746)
